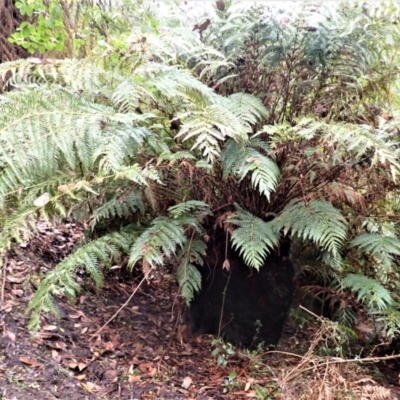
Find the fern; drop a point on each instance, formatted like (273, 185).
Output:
(61, 280)
(202, 209)
(319, 222)
(369, 292)
(159, 240)
(121, 205)
(189, 277)
(254, 238)
(390, 318)
(242, 160)
(380, 246)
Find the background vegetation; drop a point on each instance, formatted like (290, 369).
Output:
(150, 126)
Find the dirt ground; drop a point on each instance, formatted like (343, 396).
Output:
(146, 351)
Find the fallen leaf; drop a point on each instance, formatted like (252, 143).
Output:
(89, 386)
(50, 328)
(111, 374)
(10, 335)
(187, 382)
(29, 361)
(15, 279)
(82, 366)
(80, 377)
(134, 378)
(42, 200)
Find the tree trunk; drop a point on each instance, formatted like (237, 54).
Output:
(10, 19)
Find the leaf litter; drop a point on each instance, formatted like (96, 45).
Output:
(146, 351)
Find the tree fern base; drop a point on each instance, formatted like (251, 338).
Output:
(245, 306)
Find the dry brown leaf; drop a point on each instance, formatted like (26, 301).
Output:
(80, 377)
(50, 328)
(63, 188)
(17, 292)
(111, 375)
(10, 335)
(82, 366)
(15, 279)
(29, 361)
(90, 387)
(134, 378)
(226, 265)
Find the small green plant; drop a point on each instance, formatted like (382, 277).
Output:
(230, 382)
(46, 33)
(222, 351)
(261, 393)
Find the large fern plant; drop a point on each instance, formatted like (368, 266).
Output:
(151, 138)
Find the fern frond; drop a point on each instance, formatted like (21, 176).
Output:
(61, 280)
(242, 160)
(319, 222)
(19, 226)
(159, 240)
(254, 238)
(390, 317)
(189, 277)
(248, 108)
(369, 292)
(380, 246)
(121, 205)
(187, 206)
(209, 127)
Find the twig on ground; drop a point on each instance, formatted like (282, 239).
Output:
(4, 272)
(146, 275)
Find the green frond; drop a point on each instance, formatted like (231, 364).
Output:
(233, 157)
(61, 280)
(346, 317)
(241, 160)
(121, 205)
(136, 173)
(379, 246)
(319, 222)
(158, 241)
(19, 226)
(254, 238)
(189, 277)
(172, 158)
(369, 292)
(78, 75)
(183, 208)
(390, 318)
(209, 127)
(248, 108)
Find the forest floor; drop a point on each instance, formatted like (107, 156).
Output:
(146, 351)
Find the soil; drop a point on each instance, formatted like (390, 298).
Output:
(146, 351)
